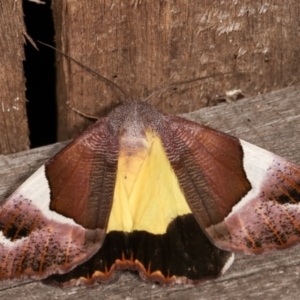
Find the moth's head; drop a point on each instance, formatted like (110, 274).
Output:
(134, 117)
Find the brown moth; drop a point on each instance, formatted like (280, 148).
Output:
(155, 193)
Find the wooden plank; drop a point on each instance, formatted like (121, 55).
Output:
(143, 46)
(271, 121)
(13, 119)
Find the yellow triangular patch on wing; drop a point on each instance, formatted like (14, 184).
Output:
(147, 194)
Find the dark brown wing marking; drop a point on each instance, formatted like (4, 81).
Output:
(82, 177)
(209, 167)
(182, 255)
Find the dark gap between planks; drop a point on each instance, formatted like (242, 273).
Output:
(39, 71)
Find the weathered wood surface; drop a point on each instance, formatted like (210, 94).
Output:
(13, 119)
(271, 121)
(146, 45)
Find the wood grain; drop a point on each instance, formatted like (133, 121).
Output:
(143, 46)
(13, 119)
(271, 121)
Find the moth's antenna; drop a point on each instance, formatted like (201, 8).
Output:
(92, 117)
(87, 68)
(163, 90)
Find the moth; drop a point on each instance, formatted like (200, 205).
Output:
(139, 190)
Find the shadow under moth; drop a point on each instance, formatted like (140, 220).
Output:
(139, 190)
